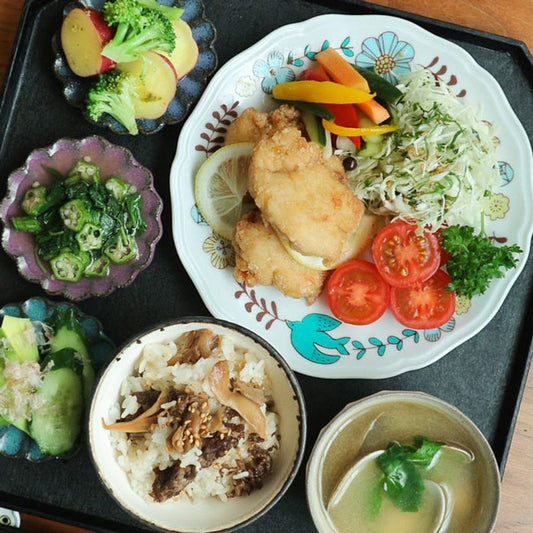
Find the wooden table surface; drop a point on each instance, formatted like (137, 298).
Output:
(512, 19)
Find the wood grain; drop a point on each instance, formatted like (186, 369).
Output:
(512, 19)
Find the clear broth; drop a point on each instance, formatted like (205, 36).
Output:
(373, 430)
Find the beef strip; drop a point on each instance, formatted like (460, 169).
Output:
(217, 446)
(145, 399)
(171, 481)
(258, 467)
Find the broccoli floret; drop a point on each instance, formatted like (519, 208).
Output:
(113, 94)
(171, 12)
(138, 29)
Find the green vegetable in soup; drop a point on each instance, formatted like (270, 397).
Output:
(122, 249)
(90, 237)
(401, 466)
(67, 267)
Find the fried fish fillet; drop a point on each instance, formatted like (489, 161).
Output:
(302, 195)
(253, 124)
(260, 259)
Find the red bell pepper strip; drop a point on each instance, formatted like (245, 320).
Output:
(345, 115)
(316, 73)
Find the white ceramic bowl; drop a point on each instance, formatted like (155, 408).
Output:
(328, 454)
(210, 514)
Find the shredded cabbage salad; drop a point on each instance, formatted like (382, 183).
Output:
(439, 167)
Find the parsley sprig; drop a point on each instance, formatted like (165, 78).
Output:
(401, 465)
(475, 261)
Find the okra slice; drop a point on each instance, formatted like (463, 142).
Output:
(90, 237)
(67, 267)
(99, 268)
(123, 249)
(85, 171)
(27, 224)
(33, 199)
(74, 214)
(118, 188)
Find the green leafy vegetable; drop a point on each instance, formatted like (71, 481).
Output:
(475, 261)
(85, 224)
(401, 466)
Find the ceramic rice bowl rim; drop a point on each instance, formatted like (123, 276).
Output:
(239, 330)
(329, 432)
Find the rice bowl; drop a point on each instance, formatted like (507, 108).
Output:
(219, 488)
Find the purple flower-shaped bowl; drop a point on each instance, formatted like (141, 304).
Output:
(188, 90)
(112, 160)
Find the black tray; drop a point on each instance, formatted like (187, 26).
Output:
(484, 377)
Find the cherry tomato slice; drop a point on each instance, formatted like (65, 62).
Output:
(357, 294)
(404, 257)
(425, 305)
(444, 254)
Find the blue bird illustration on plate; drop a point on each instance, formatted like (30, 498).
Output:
(308, 335)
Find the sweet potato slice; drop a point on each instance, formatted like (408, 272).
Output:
(84, 33)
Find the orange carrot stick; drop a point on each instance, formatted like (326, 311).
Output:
(374, 111)
(340, 70)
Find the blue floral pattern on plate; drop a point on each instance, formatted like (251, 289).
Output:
(272, 71)
(386, 55)
(16, 443)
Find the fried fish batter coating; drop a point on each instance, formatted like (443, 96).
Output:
(260, 259)
(303, 196)
(253, 124)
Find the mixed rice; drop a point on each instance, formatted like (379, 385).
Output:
(196, 419)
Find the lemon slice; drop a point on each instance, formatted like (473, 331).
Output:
(311, 261)
(358, 242)
(221, 185)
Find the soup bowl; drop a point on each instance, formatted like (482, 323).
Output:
(464, 488)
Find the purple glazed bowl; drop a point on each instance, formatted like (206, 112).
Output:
(61, 156)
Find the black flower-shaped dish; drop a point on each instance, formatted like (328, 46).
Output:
(112, 160)
(189, 88)
(15, 443)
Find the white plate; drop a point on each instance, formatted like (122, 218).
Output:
(301, 333)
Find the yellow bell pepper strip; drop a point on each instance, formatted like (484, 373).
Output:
(320, 92)
(353, 132)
